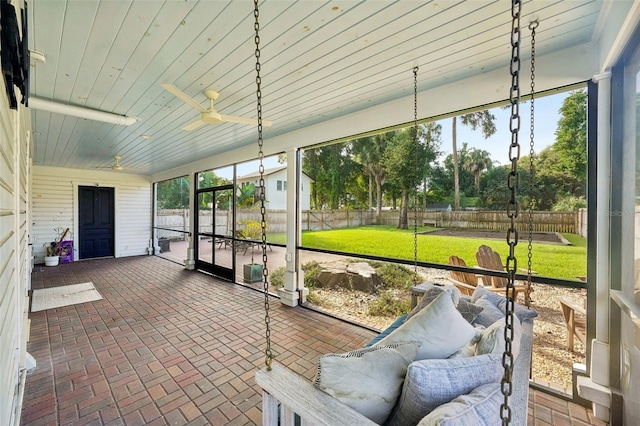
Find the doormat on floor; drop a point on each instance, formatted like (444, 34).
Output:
(57, 297)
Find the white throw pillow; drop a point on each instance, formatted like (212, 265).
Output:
(468, 310)
(492, 340)
(470, 348)
(368, 380)
(432, 382)
(439, 328)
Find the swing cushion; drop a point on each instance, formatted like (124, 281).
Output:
(481, 407)
(439, 328)
(494, 307)
(368, 380)
(433, 382)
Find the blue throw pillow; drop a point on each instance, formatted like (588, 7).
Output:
(433, 382)
(481, 407)
(397, 323)
(494, 304)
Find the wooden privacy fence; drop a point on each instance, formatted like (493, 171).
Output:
(178, 219)
(498, 220)
(323, 220)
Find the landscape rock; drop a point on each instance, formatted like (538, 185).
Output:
(349, 276)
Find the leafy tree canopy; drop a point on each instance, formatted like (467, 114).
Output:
(330, 167)
(571, 136)
(173, 193)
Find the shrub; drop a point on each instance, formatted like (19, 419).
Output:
(311, 271)
(388, 305)
(313, 298)
(394, 275)
(250, 229)
(277, 277)
(569, 203)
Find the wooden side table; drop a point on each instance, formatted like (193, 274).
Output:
(418, 291)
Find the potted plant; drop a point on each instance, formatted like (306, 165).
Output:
(252, 272)
(56, 249)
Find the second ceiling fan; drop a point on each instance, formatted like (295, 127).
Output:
(209, 115)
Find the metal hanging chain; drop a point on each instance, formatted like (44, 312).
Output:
(268, 355)
(415, 159)
(532, 26)
(512, 210)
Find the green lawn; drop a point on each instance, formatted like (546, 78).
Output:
(549, 260)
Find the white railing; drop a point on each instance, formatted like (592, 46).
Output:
(286, 394)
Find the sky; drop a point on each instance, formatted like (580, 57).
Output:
(546, 121)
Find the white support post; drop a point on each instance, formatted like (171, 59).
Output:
(596, 387)
(289, 294)
(600, 346)
(190, 262)
(154, 247)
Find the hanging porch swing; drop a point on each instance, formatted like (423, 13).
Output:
(443, 379)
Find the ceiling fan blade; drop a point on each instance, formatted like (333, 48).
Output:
(183, 96)
(244, 120)
(193, 125)
(113, 167)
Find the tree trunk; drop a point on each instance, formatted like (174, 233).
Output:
(456, 171)
(424, 195)
(314, 197)
(378, 199)
(403, 221)
(370, 191)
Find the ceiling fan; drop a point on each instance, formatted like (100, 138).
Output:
(209, 115)
(116, 166)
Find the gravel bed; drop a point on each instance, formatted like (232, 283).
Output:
(552, 362)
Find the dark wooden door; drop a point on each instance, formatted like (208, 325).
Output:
(213, 238)
(96, 222)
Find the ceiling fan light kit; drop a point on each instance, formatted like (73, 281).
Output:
(117, 165)
(209, 115)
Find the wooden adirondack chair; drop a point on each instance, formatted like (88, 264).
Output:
(489, 259)
(576, 325)
(466, 282)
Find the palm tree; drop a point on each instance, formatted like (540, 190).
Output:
(477, 162)
(369, 152)
(246, 196)
(484, 120)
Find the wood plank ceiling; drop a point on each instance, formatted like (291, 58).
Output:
(320, 60)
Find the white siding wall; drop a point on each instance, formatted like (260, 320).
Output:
(15, 260)
(305, 193)
(55, 205)
(277, 199)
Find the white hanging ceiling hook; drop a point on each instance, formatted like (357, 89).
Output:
(37, 56)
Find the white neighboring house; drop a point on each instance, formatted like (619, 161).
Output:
(275, 183)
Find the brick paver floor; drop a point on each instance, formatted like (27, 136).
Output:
(170, 346)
